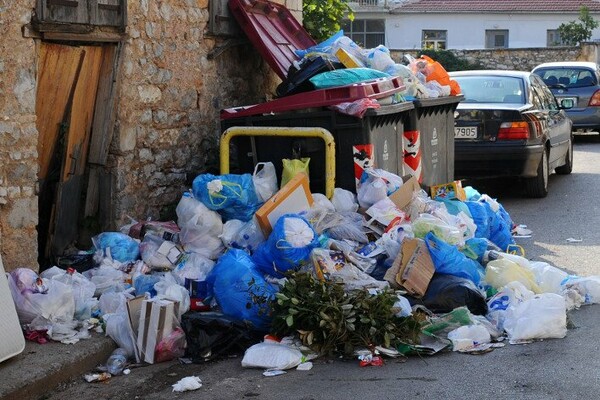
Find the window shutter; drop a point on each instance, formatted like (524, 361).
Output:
(109, 13)
(64, 11)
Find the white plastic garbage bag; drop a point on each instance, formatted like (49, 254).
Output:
(271, 355)
(39, 300)
(83, 290)
(200, 227)
(543, 316)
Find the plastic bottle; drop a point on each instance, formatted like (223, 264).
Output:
(117, 361)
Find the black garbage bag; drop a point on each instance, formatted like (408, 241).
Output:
(447, 292)
(213, 335)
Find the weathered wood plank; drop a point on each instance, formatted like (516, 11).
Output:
(103, 126)
(58, 68)
(82, 113)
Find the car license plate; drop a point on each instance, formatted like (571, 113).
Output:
(574, 99)
(465, 132)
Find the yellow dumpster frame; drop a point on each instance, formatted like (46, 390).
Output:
(316, 132)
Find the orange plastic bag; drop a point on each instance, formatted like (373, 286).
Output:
(434, 71)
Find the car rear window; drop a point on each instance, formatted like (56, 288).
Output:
(491, 89)
(569, 77)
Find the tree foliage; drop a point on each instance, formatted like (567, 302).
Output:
(323, 18)
(574, 32)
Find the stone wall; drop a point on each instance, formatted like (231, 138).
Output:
(514, 59)
(18, 139)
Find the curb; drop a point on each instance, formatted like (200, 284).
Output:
(43, 367)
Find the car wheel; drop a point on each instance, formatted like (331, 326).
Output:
(538, 187)
(568, 166)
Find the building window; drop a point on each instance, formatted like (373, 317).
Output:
(553, 38)
(367, 33)
(435, 40)
(496, 38)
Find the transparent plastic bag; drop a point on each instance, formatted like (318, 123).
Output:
(379, 58)
(194, 266)
(265, 180)
(428, 223)
(158, 253)
(344, 200)
(502, 271)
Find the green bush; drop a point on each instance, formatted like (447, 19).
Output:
(450, 61)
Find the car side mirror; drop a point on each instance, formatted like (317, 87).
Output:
(566, 104)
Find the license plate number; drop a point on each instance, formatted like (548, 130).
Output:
(465, 132)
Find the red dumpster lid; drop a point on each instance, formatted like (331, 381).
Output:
(273, 30)
(375, 89)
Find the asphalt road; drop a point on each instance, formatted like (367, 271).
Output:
(552, 369)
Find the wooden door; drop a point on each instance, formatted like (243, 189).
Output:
(65, 126)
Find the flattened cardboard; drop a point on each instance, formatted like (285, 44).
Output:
(294, 197)
(412, 269)
(403, 196)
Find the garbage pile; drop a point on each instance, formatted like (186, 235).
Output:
(422, 77)
(390, 270)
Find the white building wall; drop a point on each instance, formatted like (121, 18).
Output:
(467, 31)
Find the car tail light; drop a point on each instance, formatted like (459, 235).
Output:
(513, 131)
(595, 100)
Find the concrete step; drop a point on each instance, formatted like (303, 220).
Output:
(42, 367)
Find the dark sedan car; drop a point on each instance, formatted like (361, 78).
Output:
(579, 81)
(510, 125)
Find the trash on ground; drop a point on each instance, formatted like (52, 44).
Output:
(187, 383)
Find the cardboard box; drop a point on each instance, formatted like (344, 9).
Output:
(403, 196)
(294, 197)
(134, 309)
(412, 269)
(157, 320)
(450, 190)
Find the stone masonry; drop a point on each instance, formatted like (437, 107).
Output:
(18, 138)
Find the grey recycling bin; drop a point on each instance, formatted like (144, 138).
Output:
(433, 119)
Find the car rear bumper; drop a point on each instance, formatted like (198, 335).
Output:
(585, 118)
(479, 160)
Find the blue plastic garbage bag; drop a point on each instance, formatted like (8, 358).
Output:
(241, 290)
(123, 248)
(500, 229)
(145, 284)
(288, 246)
(475, 248)
(481, 217)
(447, 259)
(471, 193)
(323, 47)
(454, 206)
(231, 195)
